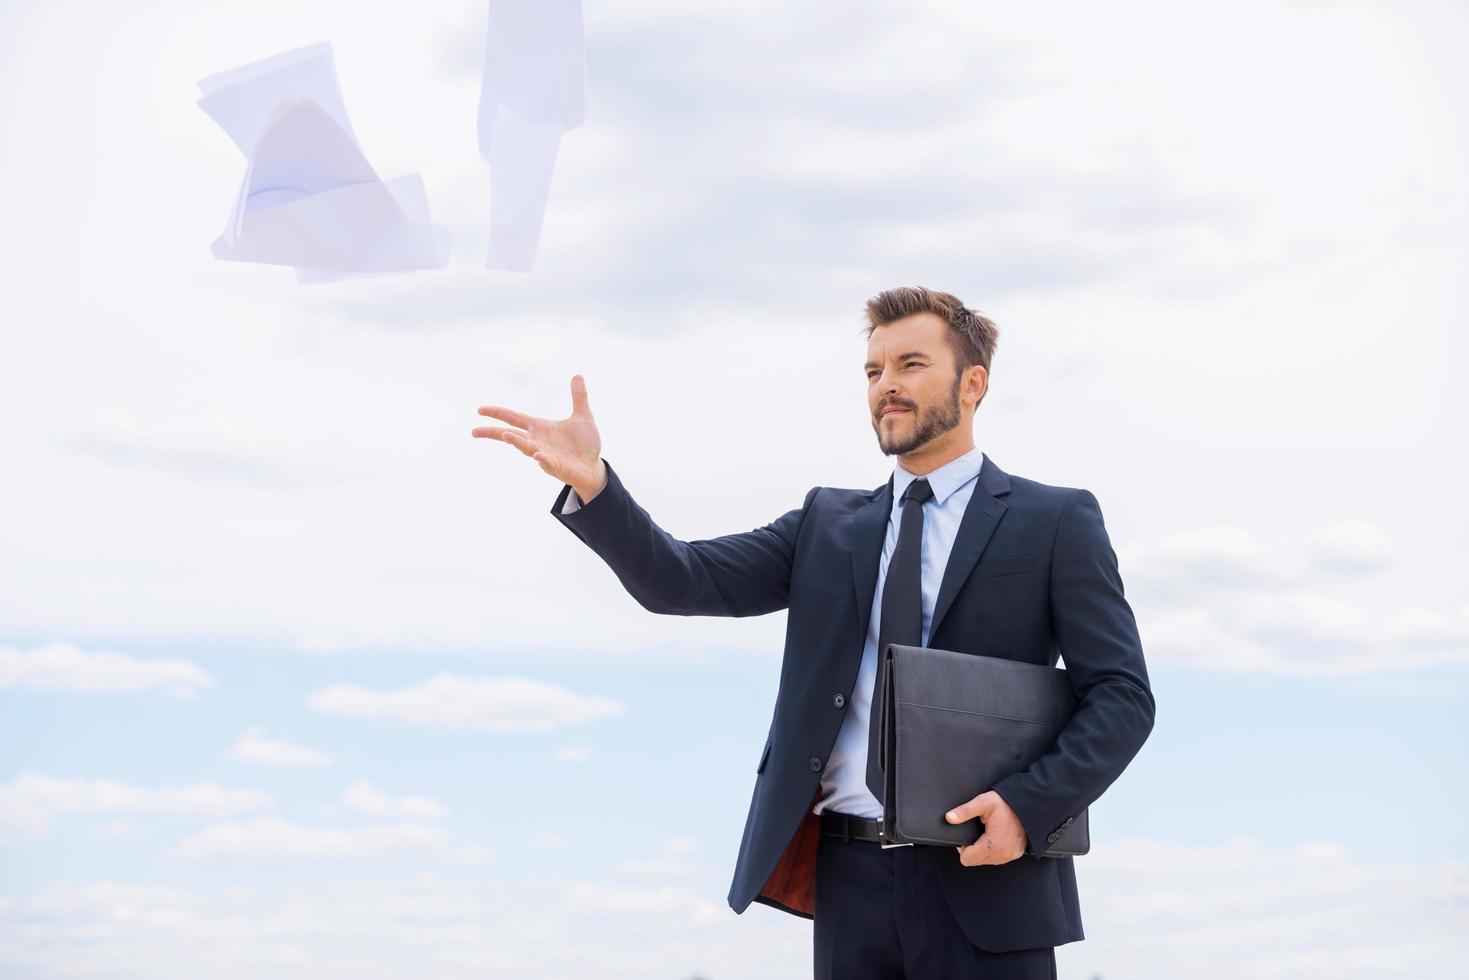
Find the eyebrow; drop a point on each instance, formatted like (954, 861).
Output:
(901, 357)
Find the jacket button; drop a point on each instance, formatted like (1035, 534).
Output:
(815, 764)
(838, 700)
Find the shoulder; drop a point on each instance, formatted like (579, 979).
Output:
(1061, 508)
(1030, 493)
(834, 502)
(840, 496)
(1053, 496)
(1069, 516)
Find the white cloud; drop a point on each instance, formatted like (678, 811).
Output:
(628, 901)
(1233, 556)
(1239, 907)
(1101, 190)
(214, 449)
(421, 926)
(273, 838)
(255, 748)
(1311, 604)
(363, 797)
(1212, 910)
(66, 667)
(445, 700)
(1217, 554)
(31, 801)
(1352, 547)
(573, 753)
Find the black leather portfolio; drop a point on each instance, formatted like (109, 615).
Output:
(952, 725)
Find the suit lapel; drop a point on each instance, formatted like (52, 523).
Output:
(981, 517)
(869, 526)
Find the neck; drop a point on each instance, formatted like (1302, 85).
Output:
(931, 456)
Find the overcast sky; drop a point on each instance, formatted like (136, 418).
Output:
(298, 679)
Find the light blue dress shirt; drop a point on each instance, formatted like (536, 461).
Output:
(844, 778)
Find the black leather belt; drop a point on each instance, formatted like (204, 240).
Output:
(850, 828)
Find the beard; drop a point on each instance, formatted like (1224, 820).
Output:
(922, 425)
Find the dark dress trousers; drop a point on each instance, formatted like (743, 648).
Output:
(1032, 575)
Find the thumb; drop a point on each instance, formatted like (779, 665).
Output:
(976, 807)
(579, 403)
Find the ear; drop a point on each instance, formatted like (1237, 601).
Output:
(976, 382)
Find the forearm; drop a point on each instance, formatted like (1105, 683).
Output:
(736, 575)
(1097, 633)
(1102, 738)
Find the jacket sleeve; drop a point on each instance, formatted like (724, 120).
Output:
(747, 574)
(1097, 633)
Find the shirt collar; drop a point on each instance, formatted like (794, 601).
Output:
(944, 480)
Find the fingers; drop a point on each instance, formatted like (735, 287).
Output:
(579, 403)
(992, 849)
(494, 432)
(981, 851)
(508, 415)
(519, 440)
(525, 444)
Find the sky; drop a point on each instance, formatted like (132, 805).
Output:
(297, 679)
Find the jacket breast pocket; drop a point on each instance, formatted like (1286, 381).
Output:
(763, 756)
(1009, 565)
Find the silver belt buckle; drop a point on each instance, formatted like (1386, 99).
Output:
(883, 842)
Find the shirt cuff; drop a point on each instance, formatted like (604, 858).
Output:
(573, 502)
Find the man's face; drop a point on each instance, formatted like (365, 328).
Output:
(912, 387)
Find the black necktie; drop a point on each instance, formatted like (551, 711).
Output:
(901, 617)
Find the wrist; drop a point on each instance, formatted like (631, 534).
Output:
(585, 492)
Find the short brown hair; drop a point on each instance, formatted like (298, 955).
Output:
(972, 335)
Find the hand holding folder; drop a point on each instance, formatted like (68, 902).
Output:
(953, 724)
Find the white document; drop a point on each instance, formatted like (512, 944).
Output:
(534, 89)
(241, 99)
(309, 198)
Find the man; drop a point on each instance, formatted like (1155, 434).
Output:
(953, 553)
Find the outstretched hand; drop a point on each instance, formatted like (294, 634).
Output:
(1003, 839)
(569, 449)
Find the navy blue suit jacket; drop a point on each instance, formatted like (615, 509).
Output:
(1032, 575)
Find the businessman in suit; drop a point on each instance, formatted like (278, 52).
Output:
(951, 552)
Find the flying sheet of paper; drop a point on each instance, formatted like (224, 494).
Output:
(309, 198)
(534, 89)
(242, 99)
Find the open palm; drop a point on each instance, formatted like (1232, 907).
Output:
(569, 449)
